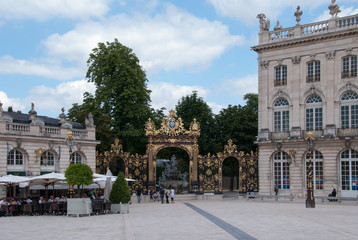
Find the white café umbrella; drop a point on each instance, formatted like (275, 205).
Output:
(45, 180)
(108, 185)
(12, 180)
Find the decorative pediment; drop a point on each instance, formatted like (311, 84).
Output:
(172, 125)
(230, 147)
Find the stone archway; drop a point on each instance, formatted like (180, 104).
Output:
(172, 134)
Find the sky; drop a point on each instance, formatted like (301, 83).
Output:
(183, 45)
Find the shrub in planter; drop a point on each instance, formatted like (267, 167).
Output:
(79, 174)
(120, 191)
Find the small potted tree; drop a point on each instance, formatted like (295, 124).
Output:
(79, 175)
(120, 195)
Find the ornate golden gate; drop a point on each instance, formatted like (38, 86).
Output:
(205, 172)
(210, 170)
(172, 134)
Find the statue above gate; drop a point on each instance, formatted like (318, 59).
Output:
(172, 126)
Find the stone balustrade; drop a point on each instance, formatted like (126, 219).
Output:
(316, 28)
(44, 131)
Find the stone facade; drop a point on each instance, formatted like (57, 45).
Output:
(310, 66)
(31, 144)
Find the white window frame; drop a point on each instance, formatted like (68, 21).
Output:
(17, 160)
(281, 170)
(280, 75)
(48, 161)
(349, 110)
(349, 66)
(77, 158)
(349, 173)
(314, 113)
(281, 115)
(313, 71)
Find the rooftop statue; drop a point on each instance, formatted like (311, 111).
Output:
(264, 24)
(334, 9)
(298, 14)
(278, 26)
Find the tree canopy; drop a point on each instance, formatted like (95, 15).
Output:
(192, 106)
(120, 192)
(121, 103)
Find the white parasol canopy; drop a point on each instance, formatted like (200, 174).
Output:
(12, 180)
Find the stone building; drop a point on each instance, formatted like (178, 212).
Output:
(31, 145)
(307, 81)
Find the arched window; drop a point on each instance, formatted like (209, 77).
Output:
(47, 159)
(317, 166)
(314, 113)
(281, 170)
(281, 115)
(349, 66)
(349, 110)
(15, 160)
(76, 158)
(280, 75)
(349, 171)
(313, 71)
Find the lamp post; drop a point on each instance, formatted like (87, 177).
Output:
(70, 143)
(310, 201)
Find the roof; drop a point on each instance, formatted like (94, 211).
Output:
(51, 122)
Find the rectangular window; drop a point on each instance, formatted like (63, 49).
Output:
(280, 76)
(344, 116)
(277, 121)
(281, 121)
(309, 119)
(345, 175)
(318, 118)
(349, 67)
(354, 116)
(313, 71)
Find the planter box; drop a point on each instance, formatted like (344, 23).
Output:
(120, 208)
(124, 207)
(79, 206)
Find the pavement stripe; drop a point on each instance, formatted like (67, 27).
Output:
(233, 231)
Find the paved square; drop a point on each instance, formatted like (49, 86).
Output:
(257, 219)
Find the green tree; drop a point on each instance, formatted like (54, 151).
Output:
(192, 106)
(120, 105)
(120, 190)
(79, 174)
(239, 123)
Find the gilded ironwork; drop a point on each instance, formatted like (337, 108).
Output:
(173, 134)
(210, 170)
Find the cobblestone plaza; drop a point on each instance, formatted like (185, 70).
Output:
(197, 219)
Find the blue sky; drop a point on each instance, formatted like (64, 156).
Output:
(184, 46)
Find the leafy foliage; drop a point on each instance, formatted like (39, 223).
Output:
(239, 123)
(192, 106)
(79, 174)
(120, 105)
(120, 190)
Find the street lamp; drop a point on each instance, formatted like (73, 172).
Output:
(70, 143)
(310, 201)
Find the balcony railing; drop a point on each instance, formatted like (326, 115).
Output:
(302, 134)
(349, 74)
(17, 128)
(314, 78)
(50, 130)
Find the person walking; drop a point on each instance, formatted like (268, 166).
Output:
(161, 193)
(139, 194)
(172, 195)
(167, 195)
(275, 189)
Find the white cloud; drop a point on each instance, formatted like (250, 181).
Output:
(344, 12)
(167, 95)
(216, 108)
(172, 40)
(44, 68)
(63, 95)
(247, 11)
(43, 10)
(15, 103)
(241, 86)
